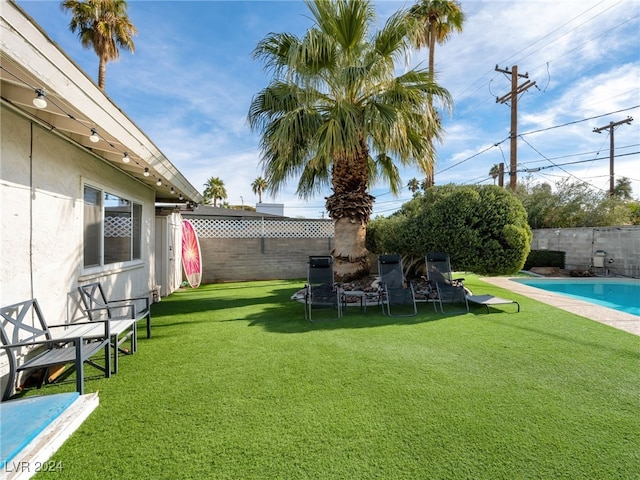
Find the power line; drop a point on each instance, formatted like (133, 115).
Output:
(592, 152)
(477, 104)
(579, 121)
(536, 169)
(611, 127)
(473, 156)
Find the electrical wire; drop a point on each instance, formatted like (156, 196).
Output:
(92, 129)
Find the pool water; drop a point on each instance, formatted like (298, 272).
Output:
(619, 294)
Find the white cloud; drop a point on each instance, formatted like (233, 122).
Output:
(191, 80)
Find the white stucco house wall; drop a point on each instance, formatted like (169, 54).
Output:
(71, 210)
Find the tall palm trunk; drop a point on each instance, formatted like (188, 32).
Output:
(430, 180)
(102, 72)
(350, 206)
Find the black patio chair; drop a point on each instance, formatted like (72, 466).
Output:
(321, 292)
(449, 290)
(393, 292)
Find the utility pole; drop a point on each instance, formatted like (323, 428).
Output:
(611, 127)
(513, 97)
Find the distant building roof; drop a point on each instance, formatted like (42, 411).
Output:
(209, 211)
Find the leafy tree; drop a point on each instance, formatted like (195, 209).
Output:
(104, 26)
(438, 19)
(575, 204)
(214, 191)
(335, 114)
(538, 201)
(483, 228)
(258, 186)
(634, 209)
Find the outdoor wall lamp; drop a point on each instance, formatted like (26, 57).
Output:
(125, 157)
(39, 101)
(94, 136)
(146, 171)
(159, 182)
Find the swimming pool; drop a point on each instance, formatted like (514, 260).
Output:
(620, 294)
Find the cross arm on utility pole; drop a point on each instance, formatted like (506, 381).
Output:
(512, 96)
(611, 127)
(509, 72)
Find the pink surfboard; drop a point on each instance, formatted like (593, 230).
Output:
(191, 256)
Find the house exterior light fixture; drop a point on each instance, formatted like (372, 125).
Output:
(125, 157)
(94, 136)
(39, 101)
(159, 182)
(146, 171)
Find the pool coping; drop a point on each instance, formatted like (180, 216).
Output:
(53, 429)
(620, 320)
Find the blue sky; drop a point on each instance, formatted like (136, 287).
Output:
(190, 82)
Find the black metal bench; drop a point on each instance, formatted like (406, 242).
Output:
(32, 344)
(95, 300)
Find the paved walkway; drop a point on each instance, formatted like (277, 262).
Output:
(620, 320)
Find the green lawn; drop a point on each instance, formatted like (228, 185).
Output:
(235, 384)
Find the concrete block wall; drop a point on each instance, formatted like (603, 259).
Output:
(239, 259)
(620, 244)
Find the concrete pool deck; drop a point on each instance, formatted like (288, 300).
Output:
(620, 320)
(33, 428)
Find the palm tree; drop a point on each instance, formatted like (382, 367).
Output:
(214, 190)
(258, 186)
(334, 114)
(103, 25)
(494, 172)
(413, 185)
(438, 19)
(623, 189)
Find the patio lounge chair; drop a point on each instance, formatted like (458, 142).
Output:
(22, 327)
(320, 291)
(393, 290)
(490, 301)
(449, 290)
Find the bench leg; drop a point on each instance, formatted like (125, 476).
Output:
(79, 367)
(107, 359)
(114, 342)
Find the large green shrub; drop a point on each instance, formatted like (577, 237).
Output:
(545, 258)
(483, 228)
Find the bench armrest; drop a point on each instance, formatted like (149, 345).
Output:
(35, 343)
(108, 308)
(145, 299)
(130, 301)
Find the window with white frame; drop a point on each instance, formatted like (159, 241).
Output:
(112, 228)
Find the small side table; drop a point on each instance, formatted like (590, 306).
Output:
(356, 294)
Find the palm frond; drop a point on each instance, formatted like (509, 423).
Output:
(336, 97)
